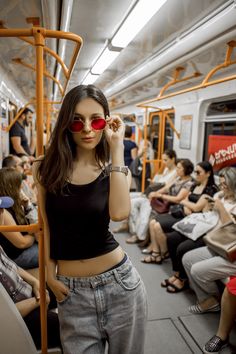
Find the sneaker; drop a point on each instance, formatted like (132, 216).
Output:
(214, 345)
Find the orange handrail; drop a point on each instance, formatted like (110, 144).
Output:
(205, 83)
(176, 80)
(39, 35)
(46, 73)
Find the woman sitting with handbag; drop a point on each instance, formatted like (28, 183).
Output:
(178, 243)
(140, 207)
(203, 265)
(170, 194)
(227, 318)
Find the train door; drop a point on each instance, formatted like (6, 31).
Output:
(220, 134)
(161, 132)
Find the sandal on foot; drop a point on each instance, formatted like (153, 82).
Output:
(146, 251)
(173, 289)
(165, 255)
(196, 309)
(167, 282)
(155, 257)
(214, 345)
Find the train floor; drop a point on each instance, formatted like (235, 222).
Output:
(171, 328)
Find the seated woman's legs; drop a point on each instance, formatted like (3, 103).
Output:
(228, 314)
(160, 240)
(227, 318)
(206, 268)
(185, 245)
(142, 221)
(32, 321)
(28, 258)
(155, 256)
(173, 239)
(138, 219)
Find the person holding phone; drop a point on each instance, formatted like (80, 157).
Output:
(101, 297)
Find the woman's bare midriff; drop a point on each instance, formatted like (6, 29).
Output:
(92, 266)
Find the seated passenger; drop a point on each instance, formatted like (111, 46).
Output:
(177, 243)
(161, 223)
(17, 163)
(227, 318)
(140, 206)
(202, 265)
(20, 247)
(23, 289)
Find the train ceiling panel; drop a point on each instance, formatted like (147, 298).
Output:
(96, 21)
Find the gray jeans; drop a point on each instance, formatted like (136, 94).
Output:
(110, 307)
(203, 268)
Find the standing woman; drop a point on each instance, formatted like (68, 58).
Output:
(101, 297)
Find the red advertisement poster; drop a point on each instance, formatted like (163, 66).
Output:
(221, 151)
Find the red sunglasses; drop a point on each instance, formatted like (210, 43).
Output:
(96, 124)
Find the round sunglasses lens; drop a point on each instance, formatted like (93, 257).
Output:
(76, 126)
(98, 124)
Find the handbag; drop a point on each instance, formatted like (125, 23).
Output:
(196, 225)
(177, 211)
(223, 241)
(160, 206)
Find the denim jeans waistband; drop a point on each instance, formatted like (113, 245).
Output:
(100, 279)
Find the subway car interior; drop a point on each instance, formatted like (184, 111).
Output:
(168, 71)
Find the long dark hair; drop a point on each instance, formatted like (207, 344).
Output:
(171, 154)
(57, 164)
(10, 186)
(207, 167)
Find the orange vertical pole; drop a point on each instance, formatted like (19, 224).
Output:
(159, 141)
(39, 43)
(48, 120)
(145, 154)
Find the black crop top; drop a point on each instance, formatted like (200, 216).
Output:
(79, 221)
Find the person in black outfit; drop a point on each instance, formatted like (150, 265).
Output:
(179, 244)
(95, 283)
(131, 149)
(18, 139)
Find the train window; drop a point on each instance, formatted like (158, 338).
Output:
(223, 107)
(154, 132)
(169, 133)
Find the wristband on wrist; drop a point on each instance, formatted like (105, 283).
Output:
(122, 169)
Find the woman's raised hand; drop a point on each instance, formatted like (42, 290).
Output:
(114, 131)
